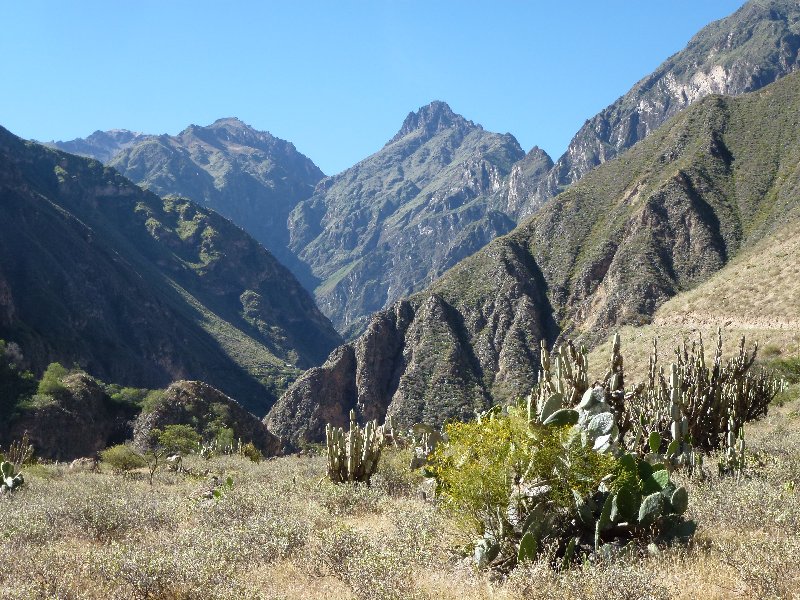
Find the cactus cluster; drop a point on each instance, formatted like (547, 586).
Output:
(10, 480)
(353, 456)
(649, 430)
(698, 406)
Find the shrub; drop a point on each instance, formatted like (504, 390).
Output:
(250, 451)
(122, 458)
(50, 383)
(152, 401)
(177, 439)
(486, 463)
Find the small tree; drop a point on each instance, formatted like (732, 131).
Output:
(174, 439)
(51, 380)
(178, 439)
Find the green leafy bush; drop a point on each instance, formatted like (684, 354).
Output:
(177, 439)
(152, 401)
(51, 384)
(122, 458)
(485, 463)
(251, 452)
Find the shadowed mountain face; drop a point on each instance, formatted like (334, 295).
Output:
(142, 290)
(391, 224)
(607, 252)
(249, 176)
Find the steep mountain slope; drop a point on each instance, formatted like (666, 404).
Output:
(389, 225)
(140, 290)
(249, 176)
(756, 295)
(751, 48)
(607, 252)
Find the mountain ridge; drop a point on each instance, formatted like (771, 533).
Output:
(659, 219)
(142, 290)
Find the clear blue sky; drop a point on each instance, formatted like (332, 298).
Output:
(336, 77)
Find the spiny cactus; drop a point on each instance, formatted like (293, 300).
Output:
(353, 456)
(424, 440)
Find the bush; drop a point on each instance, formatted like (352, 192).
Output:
(786, 368)
(250, 451)
(486, 462)
(177, 439)
(122, 458)
(50, 383)
(152, 401)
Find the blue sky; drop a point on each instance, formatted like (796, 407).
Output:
(337, 78)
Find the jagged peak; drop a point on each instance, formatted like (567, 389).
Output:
(431, 118)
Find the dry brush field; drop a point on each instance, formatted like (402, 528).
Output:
(283, 531)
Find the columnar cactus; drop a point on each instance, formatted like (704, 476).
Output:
(354, 456)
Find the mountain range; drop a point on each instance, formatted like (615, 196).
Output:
(654, 195)
(142, 290)
(442, 187)
(607, 252)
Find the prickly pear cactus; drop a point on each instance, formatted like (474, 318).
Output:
(9, 481)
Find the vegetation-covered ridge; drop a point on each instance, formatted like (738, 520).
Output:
(608, 252)
(143, 291)
(248, 176)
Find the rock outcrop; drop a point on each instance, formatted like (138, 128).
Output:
(205, 409)
(78, 421)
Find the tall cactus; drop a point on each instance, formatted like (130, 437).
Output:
(353, 456)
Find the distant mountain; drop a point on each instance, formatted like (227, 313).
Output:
(751, 48)
(141, 290)
(607, 252)
(395, 221)
(101, 145)
(249, 176)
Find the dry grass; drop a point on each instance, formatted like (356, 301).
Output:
(281, 532)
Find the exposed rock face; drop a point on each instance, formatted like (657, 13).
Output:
(141, 290)
(80, 422)
(753, 47)
(201, 406)
(435, 356)
(101, 145)
(389, 225)
(249, 176)
(607, 252)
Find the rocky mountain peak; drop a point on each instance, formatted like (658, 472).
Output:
(431, 118)
(230, 129)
